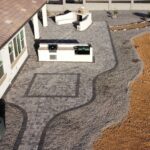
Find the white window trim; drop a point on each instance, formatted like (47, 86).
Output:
(12, 52)
(13, 44)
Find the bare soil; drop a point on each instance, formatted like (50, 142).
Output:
(133, 133)
(136, 25)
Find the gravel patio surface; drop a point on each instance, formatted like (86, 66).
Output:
(77, 129)
(45, 89)
(95, 94)
(133, 131)
(15, 118)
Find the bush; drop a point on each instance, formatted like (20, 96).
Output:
(148, 14)
(115, 12)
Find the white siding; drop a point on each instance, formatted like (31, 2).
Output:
(10, 70)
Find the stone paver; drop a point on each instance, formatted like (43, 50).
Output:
(69, 111)
(54, 85)
(124, 17)
(15, 118)
(43, 100)
(77, 129)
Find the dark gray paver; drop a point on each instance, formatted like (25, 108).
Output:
(77, 129)
(45, 89)
(106, 91)
(16, 120)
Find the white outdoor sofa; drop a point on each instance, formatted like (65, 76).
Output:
(70, 17)
(85, 23)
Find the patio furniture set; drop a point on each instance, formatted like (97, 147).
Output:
(72, 52)
(81, 18)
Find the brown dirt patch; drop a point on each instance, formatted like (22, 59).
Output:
(133, 133)
(136, 25)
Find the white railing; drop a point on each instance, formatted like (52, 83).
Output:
(103, 5)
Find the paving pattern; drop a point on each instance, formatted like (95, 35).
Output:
(45, 89)
(78, 128)
(54, 85)
(70, 110)
(16, 120)
(132, 133)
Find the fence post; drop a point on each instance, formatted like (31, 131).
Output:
(84, 2)
(64, 4)
(109, 4)
(132, 3)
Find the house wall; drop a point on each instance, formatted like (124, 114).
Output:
(100, 6)
(10, 70)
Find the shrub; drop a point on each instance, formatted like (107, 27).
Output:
(148, 14)
(115, 12)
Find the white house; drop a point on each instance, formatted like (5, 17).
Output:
(13, 46)
(99, 5)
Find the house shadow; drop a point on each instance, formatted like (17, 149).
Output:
(39, 41)
(40, 17)
(141, 15)
(109, 14)
(31, 26)
(55, 2)
(74, 1)
(2, 110)
(75, 24)
(63, 13)
(52, 18)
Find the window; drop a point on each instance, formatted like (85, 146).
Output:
(11, 55)
(22, 39)
(1, 69)
(16, 46)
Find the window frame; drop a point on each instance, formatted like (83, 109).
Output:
(1, 65)
(18, 44)
(22, 39)
(12, 51)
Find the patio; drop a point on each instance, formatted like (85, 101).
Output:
(45, 89)
(51, 92)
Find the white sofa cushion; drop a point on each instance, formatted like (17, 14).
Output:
(85, 23)
(66, 18)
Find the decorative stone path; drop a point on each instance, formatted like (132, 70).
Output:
(95, 94)
(76, 129)
(16, 120)
(133, 131)
(45, 89)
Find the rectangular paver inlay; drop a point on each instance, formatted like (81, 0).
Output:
(54, 85)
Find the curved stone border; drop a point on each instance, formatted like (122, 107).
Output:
(23, 127)
(42, 138)
(129, 122)
(125, 27)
